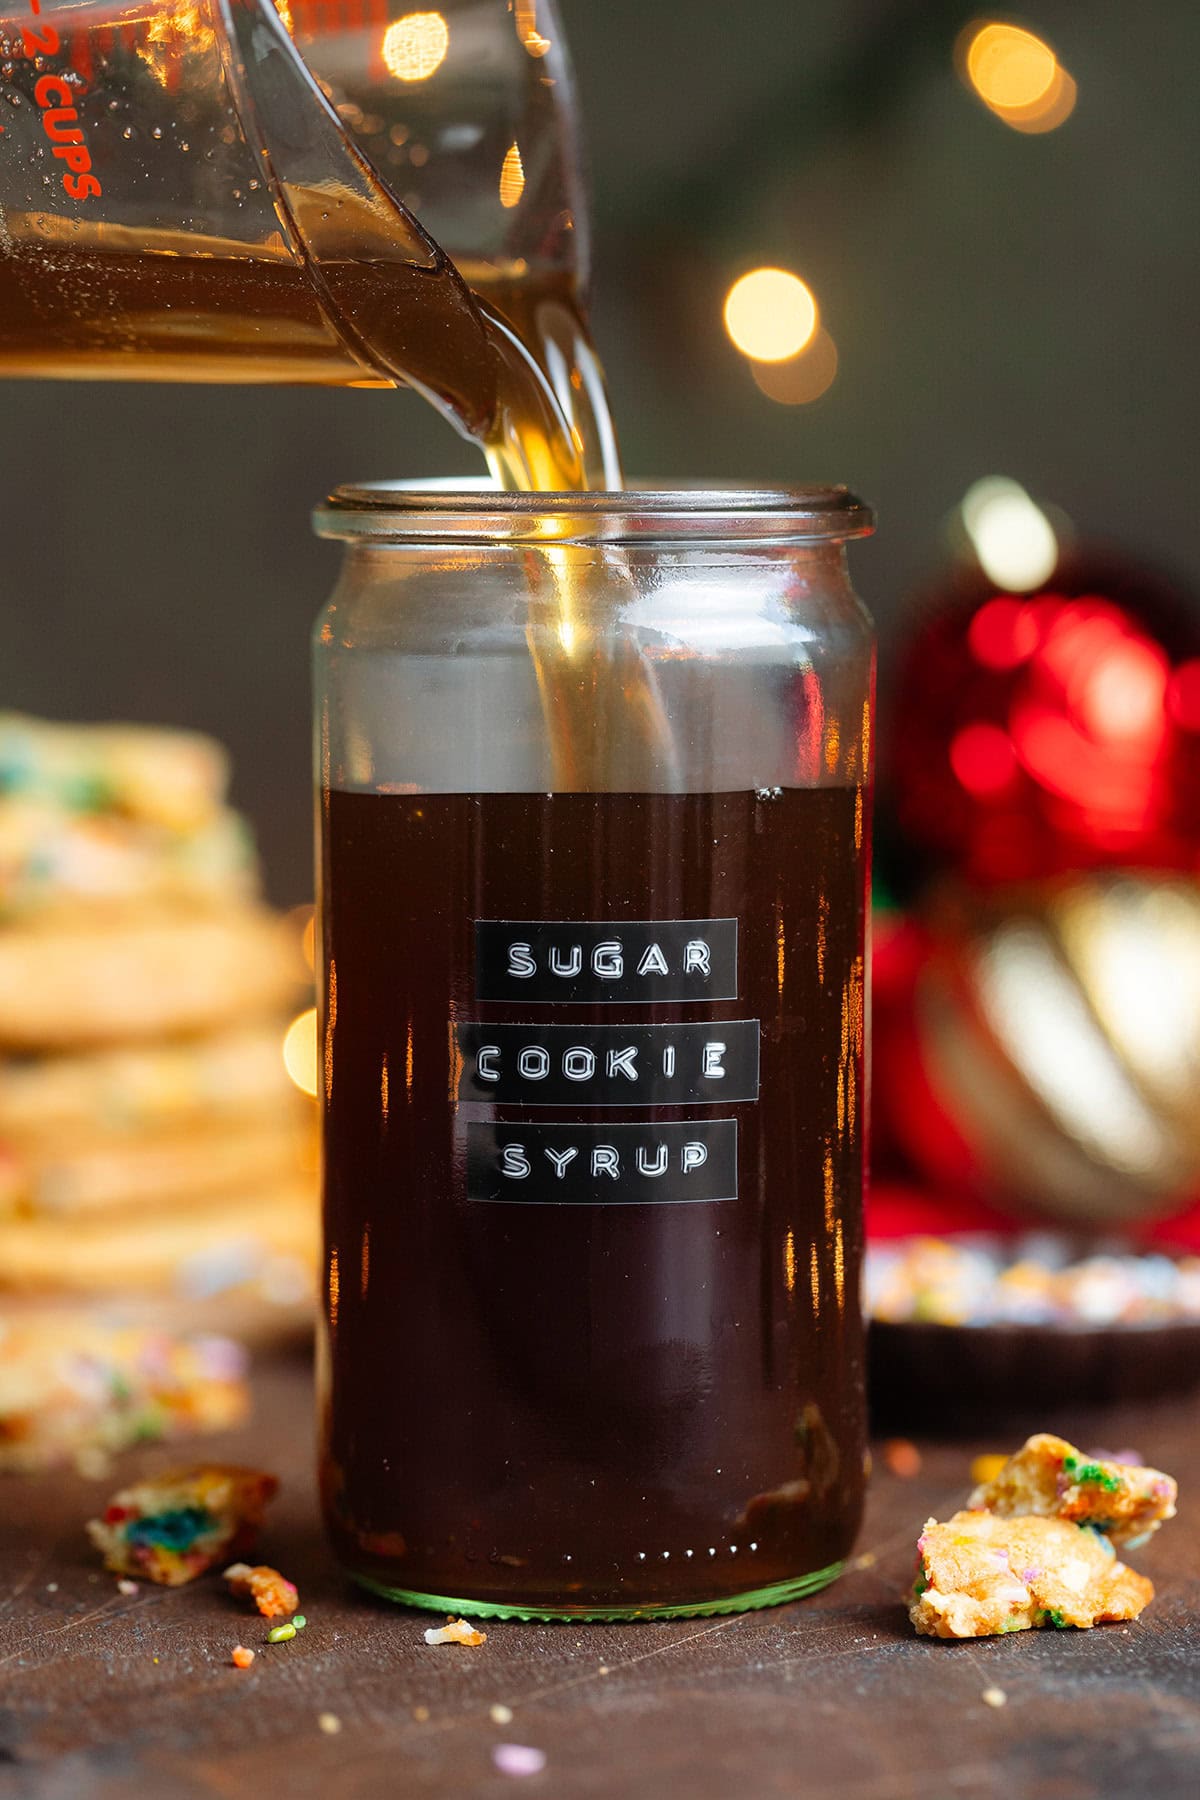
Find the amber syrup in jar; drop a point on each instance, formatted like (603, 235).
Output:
(593, 1073)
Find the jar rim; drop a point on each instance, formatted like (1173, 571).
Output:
(459, 508)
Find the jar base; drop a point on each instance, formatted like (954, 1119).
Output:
(778, 1594)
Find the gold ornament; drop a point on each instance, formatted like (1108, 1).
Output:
(1060, 1029)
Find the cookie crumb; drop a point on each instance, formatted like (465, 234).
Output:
(994, 1696)
(1051, 1478)
(240, 1657)
(500, 1715)
(177, 1525)
(274, 1596)
(519, 1759)
(456, 1632)
(421, 1714)
(866, 1560)
(125, 1586)
(329, 1723)
(1036, 1546)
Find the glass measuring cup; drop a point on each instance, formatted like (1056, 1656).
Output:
(186, 193)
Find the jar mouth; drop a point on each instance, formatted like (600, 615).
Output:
(458, 509)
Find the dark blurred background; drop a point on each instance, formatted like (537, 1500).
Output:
(1002, 302)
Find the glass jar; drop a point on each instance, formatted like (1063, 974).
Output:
(594, 784)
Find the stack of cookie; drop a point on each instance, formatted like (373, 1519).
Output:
(154, 1154)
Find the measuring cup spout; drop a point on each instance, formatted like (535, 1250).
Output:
(227, 190)
(342, 223)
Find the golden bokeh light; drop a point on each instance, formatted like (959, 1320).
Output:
(300, 1051)
(512, 177)
(1016, 75)
(414, 47)
(770, 315)
(525, 12)
(1048, 114)
(802, 378)
(1008, 66)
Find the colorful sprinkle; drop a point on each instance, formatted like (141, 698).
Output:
(1091, 1474)
(240, 1657)
(518, 1759)
(279, 1634)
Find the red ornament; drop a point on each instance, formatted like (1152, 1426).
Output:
(1034, 734)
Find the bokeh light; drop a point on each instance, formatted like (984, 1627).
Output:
(1122, 694)
(983, 759)
(1009, 67)
(802, 378)
(1048, 113)
(1010, 534)
(525, 19)
(414, 47)
(300, 1051)
(512, 177)
(1003, 633)
(1016, 75)
(770, 315)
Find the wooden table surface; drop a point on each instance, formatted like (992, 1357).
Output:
(105, 1695)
